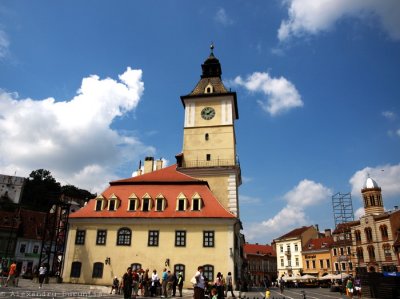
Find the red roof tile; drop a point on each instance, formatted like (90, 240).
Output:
(168, 182)
(259, 249)
(297, 232)
(320, 243)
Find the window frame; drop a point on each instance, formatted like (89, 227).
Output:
(208, 272)
(124, 236)
(80, 237)
(101, 240)
(180, 238)
(153, 238)
(98, 269)
(209, 238)
(76, 268)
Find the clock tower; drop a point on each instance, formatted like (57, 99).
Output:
(209, 140)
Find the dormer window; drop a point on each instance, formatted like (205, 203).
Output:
(133, 202)
(100, 203)
(209, 89)
(146, 203)
(181, 202)
(196, 202)
(113, 203)
(160, 203)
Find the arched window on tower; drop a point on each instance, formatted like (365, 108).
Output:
(357, 235)
(368, 234)
(384, 232)
(371, 252)
(387, 252)
(360, 254)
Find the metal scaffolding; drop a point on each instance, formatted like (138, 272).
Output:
(342, 208)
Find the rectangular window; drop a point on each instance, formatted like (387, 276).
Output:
(35, 249)
(336, 266)
(343, 266)
(76, 269)
(180, 238)
(146, 204)
(282, 263)
(97, 270)
(153, 238)
(351, 266)
(296, 247)
(313, 264)
(208, 239)
(328, 264)
(308, 264)
(80, 237)
(321, 263)
(22, 248)
(297, 261)
(334, 251)
(111, 206)
(196, 204)
(132, 205)
(281, 249)
(348, 250)
(159, 205)
(341, 251)
(101, 237)
(208, 157)
(98, 205)
(181, 205)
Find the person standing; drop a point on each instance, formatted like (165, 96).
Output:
(127, 282)
(349, 287)
(220, 285)
(164, 282)
(42, 275)
(180, 283)
(146, 283)
(155, 280)
(199, 285)
(357, 286)
(229, 285)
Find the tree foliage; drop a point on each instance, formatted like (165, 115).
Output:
(42, 190)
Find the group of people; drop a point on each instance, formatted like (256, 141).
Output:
(353, 287)
(218, 289)
(149, 284)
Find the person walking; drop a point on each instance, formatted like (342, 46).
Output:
(127, 282)
(42, 275)
(229, 285)
(155, 281)
(199, 285)
(11, 274)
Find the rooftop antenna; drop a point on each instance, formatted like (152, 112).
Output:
(212, 48)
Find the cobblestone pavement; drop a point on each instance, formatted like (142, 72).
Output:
(30, 289)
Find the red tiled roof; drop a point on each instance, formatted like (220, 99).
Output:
(345, 227)
(320, 243)
(259, 249)
(167, 182)
(166, 175)
(297, 232)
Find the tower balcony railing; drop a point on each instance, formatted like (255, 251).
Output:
(210, 163)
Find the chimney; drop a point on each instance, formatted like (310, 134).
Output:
(159, 164)
(316, 227)
(139, 171)
(328, 232)
(148, 164)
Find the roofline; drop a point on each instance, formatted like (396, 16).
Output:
(116, 183)
(209, 95)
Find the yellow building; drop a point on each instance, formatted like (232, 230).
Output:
(316, 256)
(178, 217)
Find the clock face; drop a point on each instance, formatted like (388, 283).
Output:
(207, 113)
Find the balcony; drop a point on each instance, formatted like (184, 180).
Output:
(210, 163)
(288, 252)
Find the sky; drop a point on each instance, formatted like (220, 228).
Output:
(89, 88)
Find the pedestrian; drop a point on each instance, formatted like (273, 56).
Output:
(180, 283)
(219, 285)
(135, 283)
(357, 286)
(214, 293)
(199, 283)
(229, 285)
(349, 287)
(174, 284)
(115, 285)
(127, 283)
(170, 282)
(146, 283)
(155, 281)
(267, 293)
(11, 274)
(1, 273)
(281, 284)
(42, 275)
(164, 282)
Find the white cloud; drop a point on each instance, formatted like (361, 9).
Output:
(312, 17)
(73, 139)
(387, 177)
(222, 17)
(390, 115)
(4, 44)
(281, 94)
(359, 212)
(306, 194)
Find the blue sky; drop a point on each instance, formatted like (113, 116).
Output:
(88, 88)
